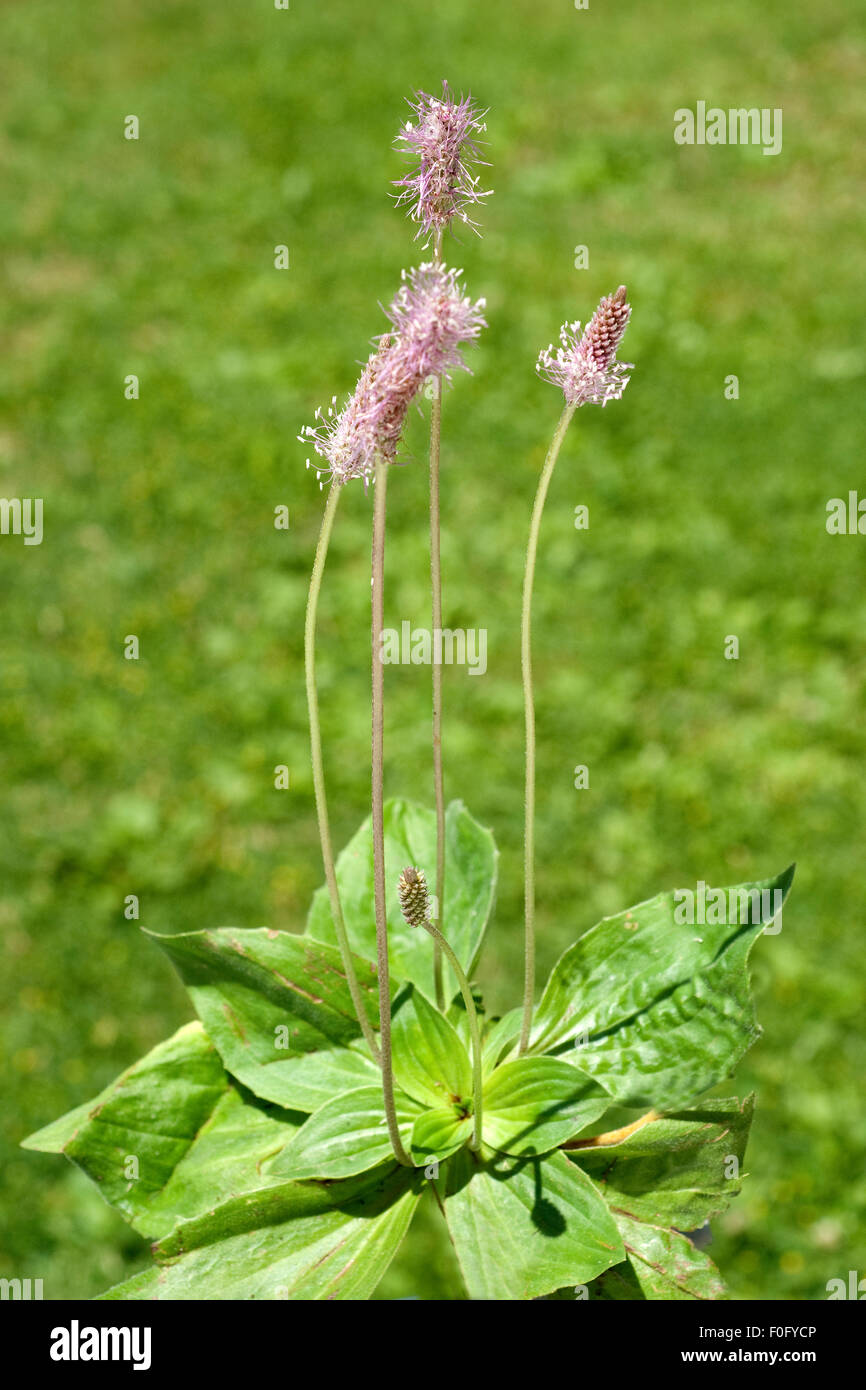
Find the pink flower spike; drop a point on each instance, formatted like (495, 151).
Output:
(585, 368)
(349, 439)
(432, 317)
(442, 139)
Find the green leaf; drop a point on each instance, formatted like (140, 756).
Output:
(660, 1009)
(410, 838)
(456, 1014)
(536, 1103)
(498, 1039)
(660, 1265)
(179, 1082)
(345, 1136)
(437, 1134)
(676, 1171)
(430, 1062)
(523, 1228)
(305, 1241)
(229, 1157)
(279, 1011)
(170, 1137)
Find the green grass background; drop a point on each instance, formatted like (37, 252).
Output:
(155, 777)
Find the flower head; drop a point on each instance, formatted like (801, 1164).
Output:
(585, 367)
(414, 896)
(442, 139)
(431, 317)
(370, 422)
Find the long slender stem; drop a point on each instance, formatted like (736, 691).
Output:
(529, 706)
(474, 1030)
(436, 592)
(318, 771)
(378, 808)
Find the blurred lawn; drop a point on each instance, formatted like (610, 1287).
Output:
(707, 518)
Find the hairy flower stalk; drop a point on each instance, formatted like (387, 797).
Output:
(318, 770)
(436, 667)
(369, 425)
(586, 370)
(442, 139)
(378, 805)
(431, 319)
(433, 308)
(458, 320)
(348, 441)
(416, 908)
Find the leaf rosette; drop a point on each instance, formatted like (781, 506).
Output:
(252, 1148)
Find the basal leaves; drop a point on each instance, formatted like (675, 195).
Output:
(522, 1228)
(293, 1241)
(657, 1010)
(347, 1135)
(430, 1061)
(677, 1171)
(279, 1011)
(660, 1264)
(537, 1103)
(171, 1136)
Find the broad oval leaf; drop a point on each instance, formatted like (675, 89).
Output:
(678, 1170)
(345, 1136)
(171, 1137)
(305, 1241)
(659, 1008)
(410, 838)
(536, 1103)
(660, 1264)
(523, 1228)
(430, 1062)
(228, 1159)
(279, 1011)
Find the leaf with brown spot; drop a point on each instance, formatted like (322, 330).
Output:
(279, 1011)
(298, 1240)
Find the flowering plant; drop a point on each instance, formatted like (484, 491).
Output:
(279, 1146)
